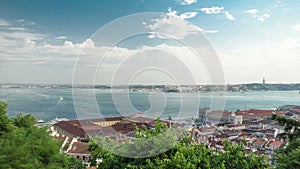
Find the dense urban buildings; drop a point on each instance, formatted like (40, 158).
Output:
(254, 127)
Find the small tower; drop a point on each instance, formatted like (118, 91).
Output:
(203, 114)
(264, 81)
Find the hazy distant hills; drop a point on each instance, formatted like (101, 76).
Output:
(259, 86)
(250, 87)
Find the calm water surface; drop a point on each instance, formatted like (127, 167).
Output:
(50, 103)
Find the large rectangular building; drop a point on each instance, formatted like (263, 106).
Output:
(102, 127)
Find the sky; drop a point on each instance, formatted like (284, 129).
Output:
(58, 41)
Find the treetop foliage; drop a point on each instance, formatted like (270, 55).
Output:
(23, 145)
(289, 157)
(185, 154)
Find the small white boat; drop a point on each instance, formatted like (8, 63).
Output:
(40, 121)
(56, 120)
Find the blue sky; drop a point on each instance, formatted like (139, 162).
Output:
(40, 40)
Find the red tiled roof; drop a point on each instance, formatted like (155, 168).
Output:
(60, 138)
(276, 143)
(93, 127)
(125, 128)
(79, 148)
(207, 128)
(259, 142)
(229, 132)
(92, 121)
(255, 113)
(242, 133)
(79, 128)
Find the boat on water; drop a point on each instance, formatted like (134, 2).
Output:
(56, 120)
(40, 121)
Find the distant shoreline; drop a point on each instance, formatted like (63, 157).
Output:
(166, 88)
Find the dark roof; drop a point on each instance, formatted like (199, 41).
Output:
(91, 121)
(260, 152)
(79, 128)
(70, 127)
(82, 128)
(225, 112)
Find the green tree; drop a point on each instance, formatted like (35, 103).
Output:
(289, 157)
(4, 120)
(185, 154)
(23, 145)
(291, 128)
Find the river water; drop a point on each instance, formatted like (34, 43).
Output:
(48, 104)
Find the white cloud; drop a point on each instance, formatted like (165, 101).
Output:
(25, 22)
(17, 41)
(188, 2)
(30, 42)
(31, 23)
(16, 28)
(62, 58)
(252, 62)
(210, 31)
(217, 10)
(267, 14)
(263, 17)
(4, 22)
(20, 20)
(56, 62)
(33, 53)
(296, 27)
(255, 62)
(23, 35)
(212, 10)
(188, 15)
(68, 44)
(173, 25)
(14, 33)
(279, 4)
(252, 11)
(229, 16)
(61, 37)
(254, 14)
(88, 43)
